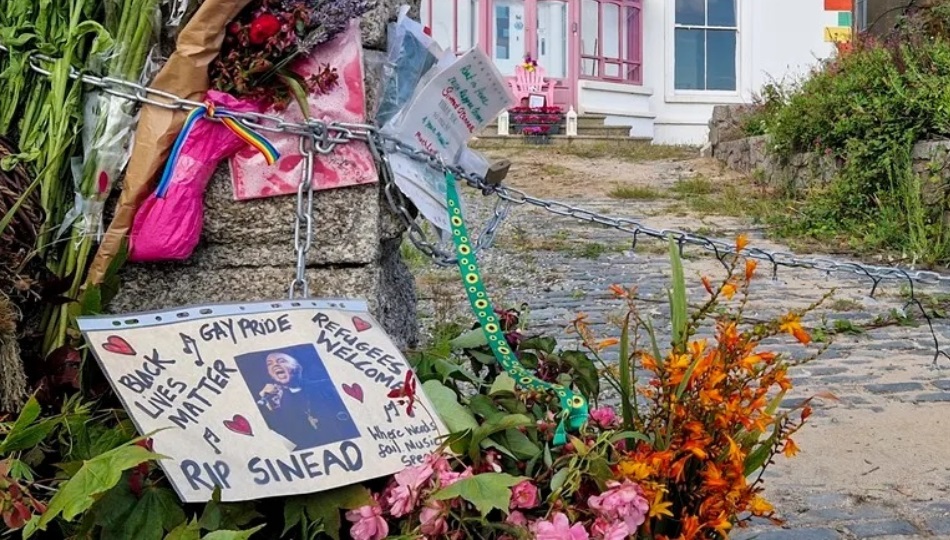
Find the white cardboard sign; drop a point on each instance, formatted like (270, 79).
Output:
(267, 399)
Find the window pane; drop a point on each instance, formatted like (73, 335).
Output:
(612, 70)
(722, 13)
(552, 37)
(590, 23)
(691, 12)
(690, 59)
(443, 24)
(611, 30)
(502, 22)
(632, 35)
(721, 63)
(467, 22)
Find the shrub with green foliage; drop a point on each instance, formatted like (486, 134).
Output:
(868, 107)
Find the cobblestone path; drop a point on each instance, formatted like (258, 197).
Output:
(875, 464)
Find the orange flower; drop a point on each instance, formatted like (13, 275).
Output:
(750, 265)
(741, 242)
(791, 449)
(691, 528)
(707, 284)
(793, 325)
(806, 412)
(729, 290)
(619, 291)
(634, 470)
(604, 343)
(760, 506)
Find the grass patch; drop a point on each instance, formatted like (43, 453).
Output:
(552, 169)
(698, 185)
(629, 152)
(592, 251)
(635, 193)
(845, 304)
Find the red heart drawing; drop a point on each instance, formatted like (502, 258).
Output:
(361, 325)
(354, 390)
(118, 345)
(240, 425)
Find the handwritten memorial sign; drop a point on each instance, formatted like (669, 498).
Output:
(266, 399)
(450, 109)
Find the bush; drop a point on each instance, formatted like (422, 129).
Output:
(868, 107)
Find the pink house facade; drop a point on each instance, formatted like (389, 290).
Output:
(658, 66)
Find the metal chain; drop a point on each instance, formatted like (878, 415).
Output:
(323, 138)
(303, 221)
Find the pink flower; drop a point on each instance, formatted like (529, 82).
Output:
(517, 518)
(605, 530)
(604, 417)
(432, 519)
(404, 496)
(524, 495)
(622, 502)
(559, 528)
(368, 523)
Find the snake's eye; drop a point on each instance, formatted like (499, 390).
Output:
(577, 402)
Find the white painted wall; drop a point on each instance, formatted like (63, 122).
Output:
(777, 38)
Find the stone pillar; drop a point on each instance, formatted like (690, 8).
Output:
(246, 251)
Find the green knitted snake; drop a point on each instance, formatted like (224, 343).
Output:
(574, 408)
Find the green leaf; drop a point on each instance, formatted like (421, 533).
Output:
(503, 383)
(185, 531)
(482, 358)
(540, 343)
(445, 402)
(484, 406)
(232, 535)
(486, 491)
(325, 507)
(24, 434)
(158, 508)
(519, 444)
(558, 479)
(113, 507)
(473, 339)
(92, 301)
(584, 373)
(96, 476)
(486, 430)
(678, 306)
(627, 435)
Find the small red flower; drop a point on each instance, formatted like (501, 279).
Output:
(406, 395)
(263, 28)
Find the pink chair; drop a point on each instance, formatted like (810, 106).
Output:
(527, 82)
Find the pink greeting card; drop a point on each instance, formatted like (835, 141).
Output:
(349, 164)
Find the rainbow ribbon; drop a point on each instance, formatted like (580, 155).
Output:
(248, 135)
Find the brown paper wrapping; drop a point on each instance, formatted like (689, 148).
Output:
(186, 75)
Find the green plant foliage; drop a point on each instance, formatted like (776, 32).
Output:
(485, 491)
(866, 109)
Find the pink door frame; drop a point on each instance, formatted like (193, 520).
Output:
(565, 92)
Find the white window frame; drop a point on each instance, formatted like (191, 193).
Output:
(860, 22)
(742, 93)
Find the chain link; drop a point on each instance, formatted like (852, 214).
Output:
(319, 137)
(303, 220)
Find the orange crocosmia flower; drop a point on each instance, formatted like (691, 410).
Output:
(806, 412)
(793, 325)
(741, 242)
(749, 362)
(619, 291)
(750, 266)
(729, 290)
(690, 528)
(604, 343)
(722, 524)
(648, 362)
(760, 507)
(791, 449)
(735, 453)
(713, 479)
(707, 284)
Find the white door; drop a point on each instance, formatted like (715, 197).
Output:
(509, 33)
(552, 37)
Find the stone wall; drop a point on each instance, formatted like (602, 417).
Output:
(246, 251)
(750, 155)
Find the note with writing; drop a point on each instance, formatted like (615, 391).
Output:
(453, 106)
(267, 399)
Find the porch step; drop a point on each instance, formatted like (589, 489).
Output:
(487, 142)
(588, 125)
